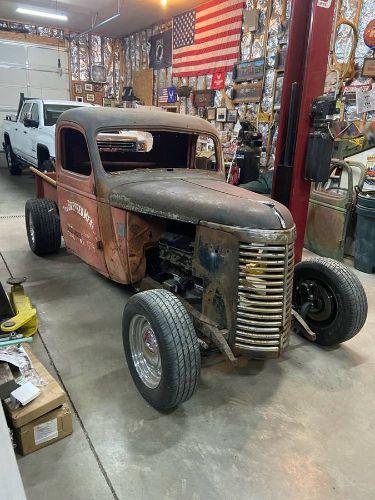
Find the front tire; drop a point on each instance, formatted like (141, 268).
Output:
(42, 226)
(161, 348)
(13, 163)
(331, 299)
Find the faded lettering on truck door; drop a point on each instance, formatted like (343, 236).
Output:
(77, 201)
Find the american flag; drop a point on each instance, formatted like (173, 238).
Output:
(207, 38)
(163, 94)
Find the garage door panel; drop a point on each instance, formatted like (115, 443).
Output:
(9, 97)
(48, 79)
(46, 58)
(12, 53)
(54, 94)
(12, 76)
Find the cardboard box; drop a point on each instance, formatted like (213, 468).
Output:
(52, 396)
(44, 430)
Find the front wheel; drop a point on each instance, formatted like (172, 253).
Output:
(331, 299)
(161, 348)
(13, 165)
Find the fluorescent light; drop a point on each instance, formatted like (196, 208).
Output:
(31, 12)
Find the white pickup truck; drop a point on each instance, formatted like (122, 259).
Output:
(29, 137)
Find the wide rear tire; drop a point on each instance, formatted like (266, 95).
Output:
(42, 226)
(161, 348)
(339, 302)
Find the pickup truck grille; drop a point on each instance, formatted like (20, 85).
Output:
(264, 298)
(123, 145)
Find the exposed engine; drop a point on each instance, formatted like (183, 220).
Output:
(171, 264)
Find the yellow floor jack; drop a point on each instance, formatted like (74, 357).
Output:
(18, 319)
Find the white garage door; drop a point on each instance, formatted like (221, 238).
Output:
(31, 69)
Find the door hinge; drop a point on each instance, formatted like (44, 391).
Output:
(99, 245)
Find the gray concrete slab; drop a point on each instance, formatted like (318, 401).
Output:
(301, 427)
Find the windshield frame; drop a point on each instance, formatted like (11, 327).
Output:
(150, 129)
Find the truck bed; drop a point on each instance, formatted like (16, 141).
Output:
(45, 184)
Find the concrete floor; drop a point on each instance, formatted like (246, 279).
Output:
(301, 427)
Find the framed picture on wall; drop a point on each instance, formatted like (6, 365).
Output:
(78, 88)
(90, 97)
(79, 98)
(211, 113)
(221, 114)
(232, 116)
(89, 87)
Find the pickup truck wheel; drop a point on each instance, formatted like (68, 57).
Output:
(13, 164)
(42, 226)
(161, 348)
(331, 299)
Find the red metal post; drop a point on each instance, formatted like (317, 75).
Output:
(308, 50)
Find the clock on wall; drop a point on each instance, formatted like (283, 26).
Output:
(98, 73)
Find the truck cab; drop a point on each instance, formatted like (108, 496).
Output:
(29, 137)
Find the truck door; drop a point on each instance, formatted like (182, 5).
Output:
(77, 202)
(30, 135)
(19, 133)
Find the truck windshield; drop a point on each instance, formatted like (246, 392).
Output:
(123, 150)
(53, 111)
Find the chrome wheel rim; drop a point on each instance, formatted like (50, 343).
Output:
(31, 229)
(145, 351)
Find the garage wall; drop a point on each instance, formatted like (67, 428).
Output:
(32, 69)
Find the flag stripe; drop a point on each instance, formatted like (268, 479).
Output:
(208, 5)
(223, 22)
(217, 35)
(230, 8)
(222, 56)
(221, 31)
(203, 50)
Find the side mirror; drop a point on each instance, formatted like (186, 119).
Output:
(28, 122)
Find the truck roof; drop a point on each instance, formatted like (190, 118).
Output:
(94, 118)
(59, 101)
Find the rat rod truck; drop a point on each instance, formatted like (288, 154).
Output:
(213, 263)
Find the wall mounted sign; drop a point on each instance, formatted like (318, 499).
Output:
(211, 113)
(250, 20)
(221, 114)
(168, 95)
(368, 68)
(218, 80)
(232, 116)
(204, 98)
(369, 34)
(280, 59)
(250, 92)
(249, 70)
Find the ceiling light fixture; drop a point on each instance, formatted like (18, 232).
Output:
(31, 12)
(163, 3)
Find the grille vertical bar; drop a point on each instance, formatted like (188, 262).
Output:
(264, 297)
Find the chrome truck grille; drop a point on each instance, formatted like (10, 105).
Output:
(264, 298)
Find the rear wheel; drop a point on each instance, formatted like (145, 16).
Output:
(330, 298)
(161, 348)
(42, 226)
(13, 164)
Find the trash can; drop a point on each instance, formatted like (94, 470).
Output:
(364, 254)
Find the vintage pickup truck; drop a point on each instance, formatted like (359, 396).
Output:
(29, 137)
(213, 263)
